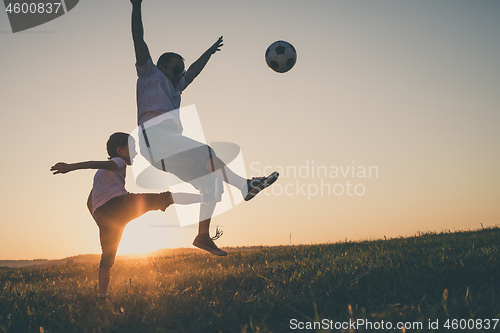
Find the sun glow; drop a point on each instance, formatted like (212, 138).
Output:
(150, 233)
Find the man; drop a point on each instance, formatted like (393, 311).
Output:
(159, 91)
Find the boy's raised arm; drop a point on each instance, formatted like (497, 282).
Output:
(62, 167)
(141, 49)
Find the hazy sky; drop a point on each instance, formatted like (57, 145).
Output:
(411, 88)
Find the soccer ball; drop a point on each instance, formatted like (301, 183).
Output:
(281, 56)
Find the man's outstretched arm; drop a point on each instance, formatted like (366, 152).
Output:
(199, 64)
(141, 49)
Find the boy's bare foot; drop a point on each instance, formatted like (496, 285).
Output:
(204, 242)
(102, 300)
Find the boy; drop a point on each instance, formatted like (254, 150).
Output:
(159, 89)
(112, 207)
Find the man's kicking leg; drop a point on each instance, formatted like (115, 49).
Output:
(249, 187)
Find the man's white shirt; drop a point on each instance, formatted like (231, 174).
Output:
(156, 95)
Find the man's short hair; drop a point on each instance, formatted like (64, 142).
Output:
(164, 59)
(116, 140)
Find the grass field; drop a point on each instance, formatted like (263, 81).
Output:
(446, 277)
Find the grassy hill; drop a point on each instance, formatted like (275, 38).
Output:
(95, 258)
(430, 279)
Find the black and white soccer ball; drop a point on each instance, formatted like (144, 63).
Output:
(281, 56)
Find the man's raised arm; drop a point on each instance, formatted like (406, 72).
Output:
(199, 64)
(141, 49)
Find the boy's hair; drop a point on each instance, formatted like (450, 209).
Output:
(115, 141)
(164, 59)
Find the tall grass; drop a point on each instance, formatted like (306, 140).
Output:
(426, 277)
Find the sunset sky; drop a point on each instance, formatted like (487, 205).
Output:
(409, 88)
